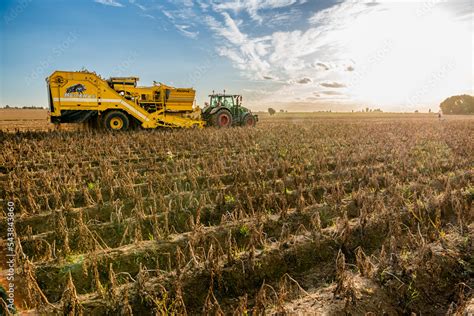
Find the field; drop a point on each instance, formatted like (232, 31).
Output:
(24, 120)
(316, 213)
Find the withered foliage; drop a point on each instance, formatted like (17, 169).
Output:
(244, 221)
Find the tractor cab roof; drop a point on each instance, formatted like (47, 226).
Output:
(224, 95)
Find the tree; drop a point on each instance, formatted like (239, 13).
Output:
(282, 111)
(459, 104)
(271, 111)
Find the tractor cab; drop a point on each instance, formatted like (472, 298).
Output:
(225, 110)
(228, 101)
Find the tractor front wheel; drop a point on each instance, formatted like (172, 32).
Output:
(116, 121)
(249, 120)
(222, 119)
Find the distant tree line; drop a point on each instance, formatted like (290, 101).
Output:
(367, 110)
(272, 111)
(372, 110)
(458, 104)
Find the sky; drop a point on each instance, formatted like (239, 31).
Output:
(297, 55)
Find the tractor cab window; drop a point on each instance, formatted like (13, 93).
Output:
(228, 101)
(214, 101)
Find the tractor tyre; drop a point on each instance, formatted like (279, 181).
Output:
(116, 121)
(249, 120)
(222, 119)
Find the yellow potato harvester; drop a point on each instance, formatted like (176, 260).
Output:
(118, 103)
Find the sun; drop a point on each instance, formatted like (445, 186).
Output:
(407, 58)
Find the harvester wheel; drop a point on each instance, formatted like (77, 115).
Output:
(222, 119)
(249, 120)
(93, 123)
(116, 121)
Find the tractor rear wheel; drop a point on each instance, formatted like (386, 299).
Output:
(249, 120)
(222, 119)
(116, 121)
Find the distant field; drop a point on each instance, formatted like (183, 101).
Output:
(357, 116)
(23, 115)
(19, 119)
(38, 120)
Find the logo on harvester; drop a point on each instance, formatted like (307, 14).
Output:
(79, 88)
(77, 91)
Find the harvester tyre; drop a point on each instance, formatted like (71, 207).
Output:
(92, 124)
(222, 119)
(249, 120)
(116, 121)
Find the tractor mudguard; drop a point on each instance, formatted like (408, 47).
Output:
(214, 110)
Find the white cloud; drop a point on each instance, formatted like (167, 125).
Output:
(149, 16)
(304, 80)
(183, 19)
(112, 3)
(395, 60)
(277, 19)
(381, 52)
(333, 84)
(188, 3)
(140, 6)
(184, 29)
(252, 7)
(244, 51)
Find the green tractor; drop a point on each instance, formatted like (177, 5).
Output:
(226, 110)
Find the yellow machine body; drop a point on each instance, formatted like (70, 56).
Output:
(76, 96)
